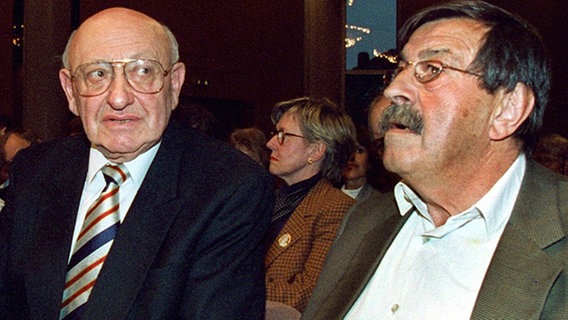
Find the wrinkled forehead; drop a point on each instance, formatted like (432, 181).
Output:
(457, 37)
(119, 35)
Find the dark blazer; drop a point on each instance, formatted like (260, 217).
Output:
(189, 247)
(526, 279)
(295, 258)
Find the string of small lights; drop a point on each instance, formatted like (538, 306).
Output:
(355, 34)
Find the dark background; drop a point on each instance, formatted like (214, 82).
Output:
(242, 56)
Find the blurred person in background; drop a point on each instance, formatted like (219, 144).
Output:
(356, 182)
(252, 142)
(552, 152)
(378, 176)
(11, 143)
(312, 144)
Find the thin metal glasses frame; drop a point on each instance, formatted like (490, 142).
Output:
(161, 74)
(428, 70)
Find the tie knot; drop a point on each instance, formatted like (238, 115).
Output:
(116, 173)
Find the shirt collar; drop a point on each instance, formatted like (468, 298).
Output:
(136, 167)
(495, 206)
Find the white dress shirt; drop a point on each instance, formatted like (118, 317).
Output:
(353, 193)
(95, 182)
(434, 272)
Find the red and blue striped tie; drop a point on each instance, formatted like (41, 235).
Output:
(93, 243)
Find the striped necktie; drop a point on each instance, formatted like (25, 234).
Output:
(93, 243)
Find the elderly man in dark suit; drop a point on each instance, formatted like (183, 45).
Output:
(182, 214)
(475, 230)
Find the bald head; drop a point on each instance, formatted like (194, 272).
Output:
(115, 24)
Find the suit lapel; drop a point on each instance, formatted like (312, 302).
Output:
(52, 243)
(519, 278)
(521, 273)
(295, 225)
(292, 229)
(140, 236)
(362, 266)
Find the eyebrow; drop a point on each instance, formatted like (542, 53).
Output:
(433, 52)
(428, 53)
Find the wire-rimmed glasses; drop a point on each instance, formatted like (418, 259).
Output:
(143, 75)
(428, 70)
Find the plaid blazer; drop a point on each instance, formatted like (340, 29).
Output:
(295, 258)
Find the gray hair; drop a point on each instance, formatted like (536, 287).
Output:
(321, 120)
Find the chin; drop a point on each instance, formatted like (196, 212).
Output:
(272, 170)
(391, 164)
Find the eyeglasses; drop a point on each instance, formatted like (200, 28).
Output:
(281, 135)
(144, 76)
(428, 70)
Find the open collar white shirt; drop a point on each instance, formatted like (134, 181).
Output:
(434, 272)
(95, 182)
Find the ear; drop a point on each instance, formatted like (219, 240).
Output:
(317, 151)
(514, 108)
(67, 85)
(178, 77)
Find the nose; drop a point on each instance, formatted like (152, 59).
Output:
(402, 89)
(119, 92)
(272, 143)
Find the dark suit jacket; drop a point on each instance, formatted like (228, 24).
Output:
(526, 278)
(189, 247)
(292, 267)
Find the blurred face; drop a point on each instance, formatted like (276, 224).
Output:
(357, 166)
(289, 160)
(14, 143)
(550, 161)
(436, 129)
(375, 113)
(122, 122)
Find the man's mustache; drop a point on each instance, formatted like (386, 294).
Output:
(402, 117)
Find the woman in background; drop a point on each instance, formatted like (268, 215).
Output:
(313, 142)
(355, 182)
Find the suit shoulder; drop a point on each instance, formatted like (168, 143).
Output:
(378, 207)
(377, 200)
(46, 154)
(212, 158)
(327, 198)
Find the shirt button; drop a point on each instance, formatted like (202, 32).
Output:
(394, 308)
